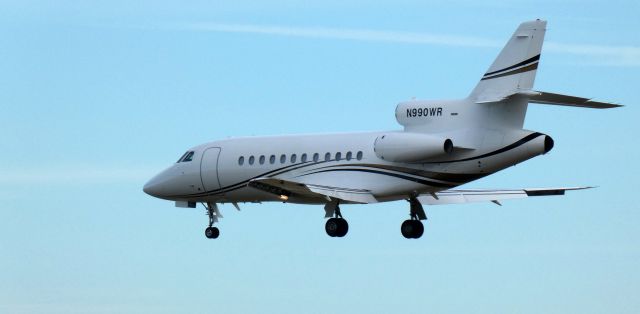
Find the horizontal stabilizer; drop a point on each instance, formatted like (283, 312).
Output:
(471, 196)
(566, 100)
(545, 98)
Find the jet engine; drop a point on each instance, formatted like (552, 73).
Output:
(411, 147)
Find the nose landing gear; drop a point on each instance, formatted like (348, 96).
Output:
(212, 210)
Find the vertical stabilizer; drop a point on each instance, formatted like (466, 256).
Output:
(515, 67)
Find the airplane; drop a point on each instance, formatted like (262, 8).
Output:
(443, 144)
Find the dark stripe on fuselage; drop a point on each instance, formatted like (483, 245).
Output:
(521, 142)
(242, 184)
(456, 178)
(405, 177)
(532, 59)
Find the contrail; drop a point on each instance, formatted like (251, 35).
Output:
(599, 54)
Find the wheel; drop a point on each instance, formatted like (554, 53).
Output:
(419, 229)
(343, 227)
(212, 232)
(332, 227)
(412, 229)
(407, 229)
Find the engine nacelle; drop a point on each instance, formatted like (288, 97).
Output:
(411, 147)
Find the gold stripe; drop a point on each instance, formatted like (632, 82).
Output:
(530, 67)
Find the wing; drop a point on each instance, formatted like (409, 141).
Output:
(470, 196)
(289, 188)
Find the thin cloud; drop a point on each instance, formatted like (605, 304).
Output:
(596, 54)
(606, 55)
(344, 33)
(80, 174)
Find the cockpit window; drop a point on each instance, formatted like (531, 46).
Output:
(182, 157)
(188, 156)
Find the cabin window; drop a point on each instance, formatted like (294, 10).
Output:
(251, 160)
(303, 158)
(338, 156)
(293, 158)
(359, 155)
(272, 159)
(327, 156)
(283, 158)
(316, 157)
(261, 159)
(348, 157)
(241, 160)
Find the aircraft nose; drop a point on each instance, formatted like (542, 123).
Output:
(153, 188)
(158, 186)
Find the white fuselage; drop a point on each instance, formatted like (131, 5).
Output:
(220, 171)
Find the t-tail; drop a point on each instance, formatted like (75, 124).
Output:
(499, 101)
(515, 67)
(508, 83)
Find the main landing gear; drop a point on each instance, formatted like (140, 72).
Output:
(335, 226)
(413, 228)
(212, 210)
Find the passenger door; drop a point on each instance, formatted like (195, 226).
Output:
(209, 168)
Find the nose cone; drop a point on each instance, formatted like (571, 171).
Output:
(159, 186)
(176, 182)
(154, 188)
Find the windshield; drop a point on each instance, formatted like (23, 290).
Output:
(188, 156)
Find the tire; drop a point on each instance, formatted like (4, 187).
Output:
(332, 227)
(212, 232)
(343, 227)
(407, 229)
(419, 229)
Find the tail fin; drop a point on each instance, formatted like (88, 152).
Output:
(515, 67)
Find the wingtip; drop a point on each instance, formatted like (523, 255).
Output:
(582, 188)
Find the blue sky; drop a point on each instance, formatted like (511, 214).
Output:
(98, 96)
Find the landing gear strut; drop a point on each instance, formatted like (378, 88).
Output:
(335, 226)
(212, 210)
(413, 228)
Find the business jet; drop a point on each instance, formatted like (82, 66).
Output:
(443, 144)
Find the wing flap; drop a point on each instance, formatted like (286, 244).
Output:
(289, 188)
(357, 197)
(471, 196)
